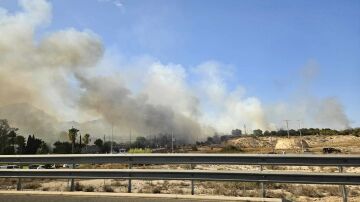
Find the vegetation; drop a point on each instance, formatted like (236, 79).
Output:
(13, 143)
(231, 149)
(140, 150)
(108, 188)
(73, 133)
(89, 188)
(87, 139)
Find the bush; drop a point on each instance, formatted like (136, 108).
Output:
(89, 189)
(108, 188)
(45, 188)
(231, 149)
(78, 187)
(140, 151)
(156, 190)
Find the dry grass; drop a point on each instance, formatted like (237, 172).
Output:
(31, 185)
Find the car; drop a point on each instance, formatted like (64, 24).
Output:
(122, 151)
(70, 165)
(10, 167)
(33, 166)
(13, 167)
(40, 167)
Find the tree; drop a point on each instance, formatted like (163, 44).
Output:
(7, 137)
(73, 133)
(43, 149)
(32, 145)
(62, 147)
(257, 132)
(87, 139)
(20, 142)
(282, 132)
(140, 142)
(99, 143)
(267, 133)
(106, 147)
(236, 132)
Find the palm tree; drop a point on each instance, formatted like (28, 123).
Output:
(87, 139)
(72, 137)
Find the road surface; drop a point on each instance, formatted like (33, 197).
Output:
(13, 196)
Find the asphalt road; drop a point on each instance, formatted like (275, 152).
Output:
(61, 198)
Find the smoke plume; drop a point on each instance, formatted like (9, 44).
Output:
(50, 81)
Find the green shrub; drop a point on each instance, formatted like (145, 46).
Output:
(139, 151)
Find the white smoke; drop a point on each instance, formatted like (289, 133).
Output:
(68, 75)
(308, 108)
(227, 109)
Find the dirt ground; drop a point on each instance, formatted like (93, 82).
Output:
(347, 144)
(291, 192)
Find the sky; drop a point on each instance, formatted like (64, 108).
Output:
(283, 55)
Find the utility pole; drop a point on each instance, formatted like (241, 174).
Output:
(112, 136)
(130, 140)
(245, 129)
(287, 127)
(172, 142)
(301, 141)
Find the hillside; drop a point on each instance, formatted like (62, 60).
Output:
(346, 143)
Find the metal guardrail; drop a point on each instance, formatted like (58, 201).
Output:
(238, 159)
(146, 174)
(192, 159)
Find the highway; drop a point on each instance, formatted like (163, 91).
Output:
(37, 196)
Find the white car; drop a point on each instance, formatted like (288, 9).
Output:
(70, 165)
(41, 167)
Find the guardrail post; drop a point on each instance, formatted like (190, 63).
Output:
(192, 166)
(343, 187)
(262, 186)
(129, 182)
(72, 183)
(18, 186)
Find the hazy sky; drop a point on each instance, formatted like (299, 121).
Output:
(279, 51)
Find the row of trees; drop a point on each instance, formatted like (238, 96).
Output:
(217, 139)
(12, 143)
(304, 131)
(73, 146)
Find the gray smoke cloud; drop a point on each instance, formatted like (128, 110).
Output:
(65, 78)
(107, 97)
(34, 73)
(48, 75)
(331, 114)
(307, 107)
